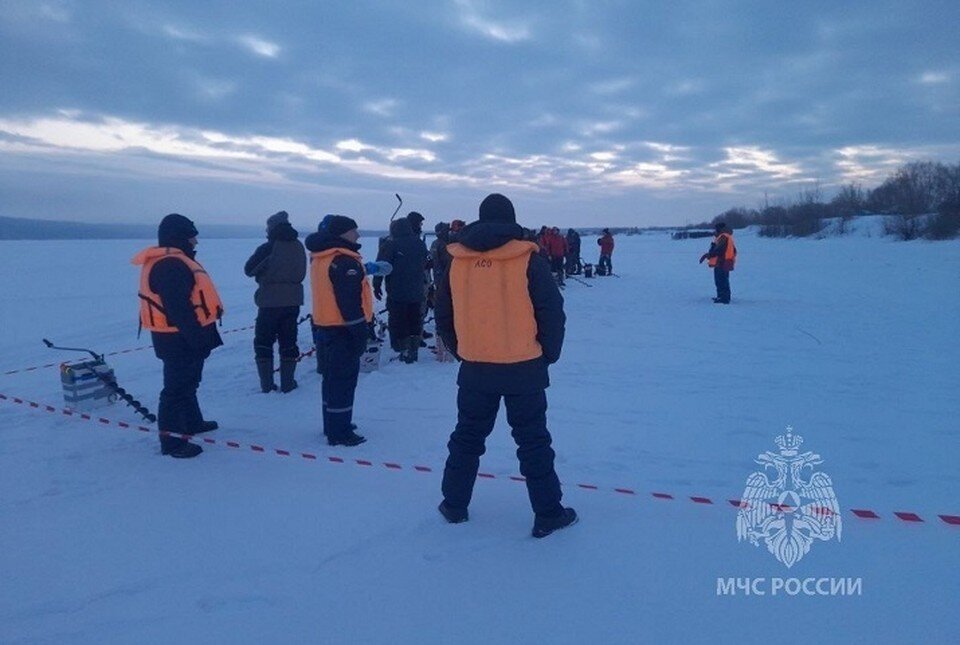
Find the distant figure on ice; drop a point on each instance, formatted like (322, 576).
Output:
(574, 266)
(342, 309)
(605, 265)
(180, 306)
(500, 312)
(722, 256)
(407, 253)
(556, 248)
(279, 266)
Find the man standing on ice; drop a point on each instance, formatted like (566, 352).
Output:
(343, 309)
(279, 265)
(722, 256)
(500, 312)
(180, 306)
(605, 265)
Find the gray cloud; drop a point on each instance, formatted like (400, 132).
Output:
(679, 107)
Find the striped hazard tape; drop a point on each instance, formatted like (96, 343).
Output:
(904, 517)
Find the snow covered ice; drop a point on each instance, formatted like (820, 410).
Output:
(852, 341)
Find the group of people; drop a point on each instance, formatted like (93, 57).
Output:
(497, 307)
(564, 252)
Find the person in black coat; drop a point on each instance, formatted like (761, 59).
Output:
(407, 253)
(279, 266)
(345, 341)
(491, 247)
(183, 353)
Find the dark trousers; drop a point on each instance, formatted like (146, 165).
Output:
(404, 319)
(721, 279)
(607, 263)
(179, 410)
(556, 266)
(341, 367)
(527, 416)
(276, 325)
(319, 347)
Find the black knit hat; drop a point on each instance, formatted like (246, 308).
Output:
(337, 225)
(175, 228)
(415, 217)
(497, 208)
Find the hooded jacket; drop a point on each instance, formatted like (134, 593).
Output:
(279, 266)
(525, 376)
(408, 255)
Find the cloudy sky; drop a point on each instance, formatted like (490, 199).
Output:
(583, 112)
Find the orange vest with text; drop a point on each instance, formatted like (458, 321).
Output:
(204, 297)
(492, 311)
(729, 257)
(326, 313)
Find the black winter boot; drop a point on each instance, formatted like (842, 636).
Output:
(178, 448)
(544, 526)
(265, 371)
(287, 368)
(453, 515)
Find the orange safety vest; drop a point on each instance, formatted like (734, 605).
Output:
(206, 301)
(326, 313)
(729, 257)
(492, 311)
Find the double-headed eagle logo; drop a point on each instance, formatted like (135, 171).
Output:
(793, 508)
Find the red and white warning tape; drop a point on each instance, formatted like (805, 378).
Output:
(116, 353)
(864, 514)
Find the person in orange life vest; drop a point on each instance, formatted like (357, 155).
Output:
(342, 309)
(499, 311)
(722, 256)
(180, 306)
(605, 265)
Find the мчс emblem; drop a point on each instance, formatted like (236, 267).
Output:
(793, 508)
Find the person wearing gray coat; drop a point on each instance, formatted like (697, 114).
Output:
(279, 266)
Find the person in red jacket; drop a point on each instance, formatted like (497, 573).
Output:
(605, 265)
(555, 246)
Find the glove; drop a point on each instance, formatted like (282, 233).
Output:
(378, 268)
(703, 257)
(378, 293)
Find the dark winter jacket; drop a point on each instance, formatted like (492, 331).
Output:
(573, 244)
(279, 266)
(439, 256)
(346, 276)
(173, 281)
(515, 378)
(408, 255)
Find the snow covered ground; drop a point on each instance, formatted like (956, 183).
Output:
(853, 341)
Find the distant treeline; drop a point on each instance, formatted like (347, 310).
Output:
(921, 200)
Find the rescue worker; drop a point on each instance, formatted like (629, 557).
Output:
(407, 253)
(343, 310)
(722, 256)
(500, 312)
(605, 265)
(180, 306)
(279, 266)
